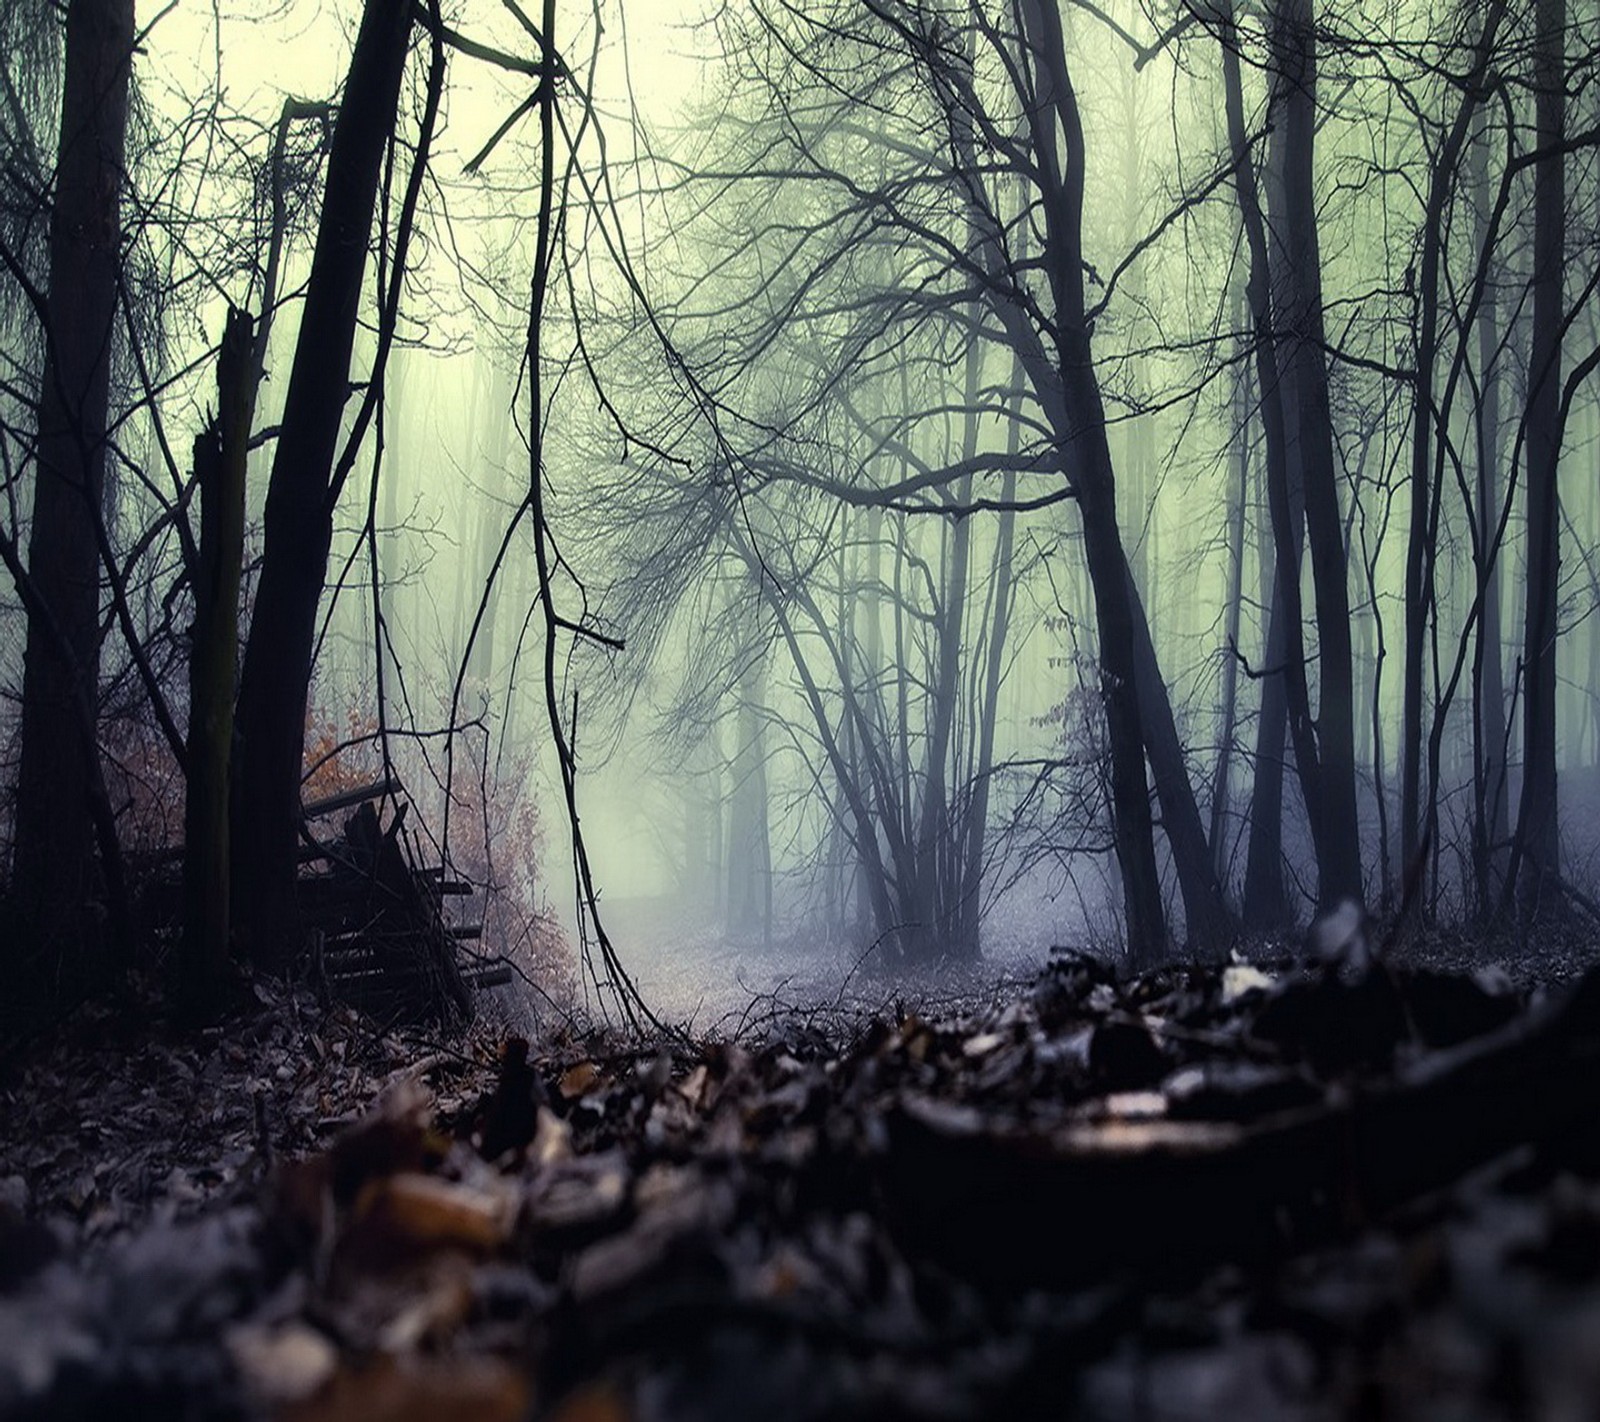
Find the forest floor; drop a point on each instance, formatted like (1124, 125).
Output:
(1272, 1189)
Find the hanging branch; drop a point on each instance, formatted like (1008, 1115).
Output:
(377, 391)
(389, 285)
(632, 1005)
(389, 312)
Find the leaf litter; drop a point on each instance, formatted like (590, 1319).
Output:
(1329, 1189)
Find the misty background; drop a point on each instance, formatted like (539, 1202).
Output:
(828, 541)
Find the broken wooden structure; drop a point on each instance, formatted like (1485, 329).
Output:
(376, 925)
(377, 931)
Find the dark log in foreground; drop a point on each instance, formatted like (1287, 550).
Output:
(1159, 1195)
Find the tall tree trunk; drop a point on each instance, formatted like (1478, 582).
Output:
(1067, 386)
(938, 910)
(837, 864)
(1536, 856)
(52, 872)
(989, 695)
(221, 454)
(1284, 695)
(1208, 922)
(1334, 803)
(870, 697)
(1423, 526)
(1135, 447)
(1059, 149)
(1490, 816)
(749, 854)
(1265, 901)
(299, 514)
(1228, 717)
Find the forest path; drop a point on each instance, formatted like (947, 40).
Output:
(691, 973)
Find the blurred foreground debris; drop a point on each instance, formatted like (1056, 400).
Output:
(1299, 1192)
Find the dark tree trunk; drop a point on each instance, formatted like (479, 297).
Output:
(1490, 816)
(1423, 529)
(1300, 439)
(1208, 922)
(1228, 718)
(1265, 901)
(989, 695)
(299, 514)
(53, 863)
(1059, 147)
(1536, 858)
(1284, 695)
(1334, 803)
(938, 910)
(749, 856)
(1132, 827)
(221, 455)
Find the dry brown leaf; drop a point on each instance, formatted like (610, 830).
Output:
(435, 1314)
(611, 1264)
(786, 1273)
(578, 1080)
(915, 1038)
(418, 1390)
(426, 1212)
(584, 1191)
(698, 1089)
(552, 1139)
(593, 1402)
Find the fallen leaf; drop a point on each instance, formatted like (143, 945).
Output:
(580, 1192)
(1241, 979)
(434, 1314)
(417, 1390)
(593, 1402)
(578, 1080)
(552, 1139)
(428, 1213)
(282, 1364)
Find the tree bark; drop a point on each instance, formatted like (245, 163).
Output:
(749, 852)
(221, 455)
(1228, 718)
(1265, 901)
(977, 826)
(52, 872)
(1086, 455)
(938, 910)
(1208, 922)
(299, 514)
(1339, 842)
(1284, 696)
(1423, 524)
(1536, 856)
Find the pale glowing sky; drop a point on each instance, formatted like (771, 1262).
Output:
(301, 48)
(274, 49)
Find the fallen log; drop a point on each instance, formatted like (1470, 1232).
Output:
(1131, 1188)
(357, 795)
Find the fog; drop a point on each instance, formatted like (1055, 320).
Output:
(843, 647)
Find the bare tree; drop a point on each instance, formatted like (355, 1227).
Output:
(52, 870)
(276, 671)
(1537, 849)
